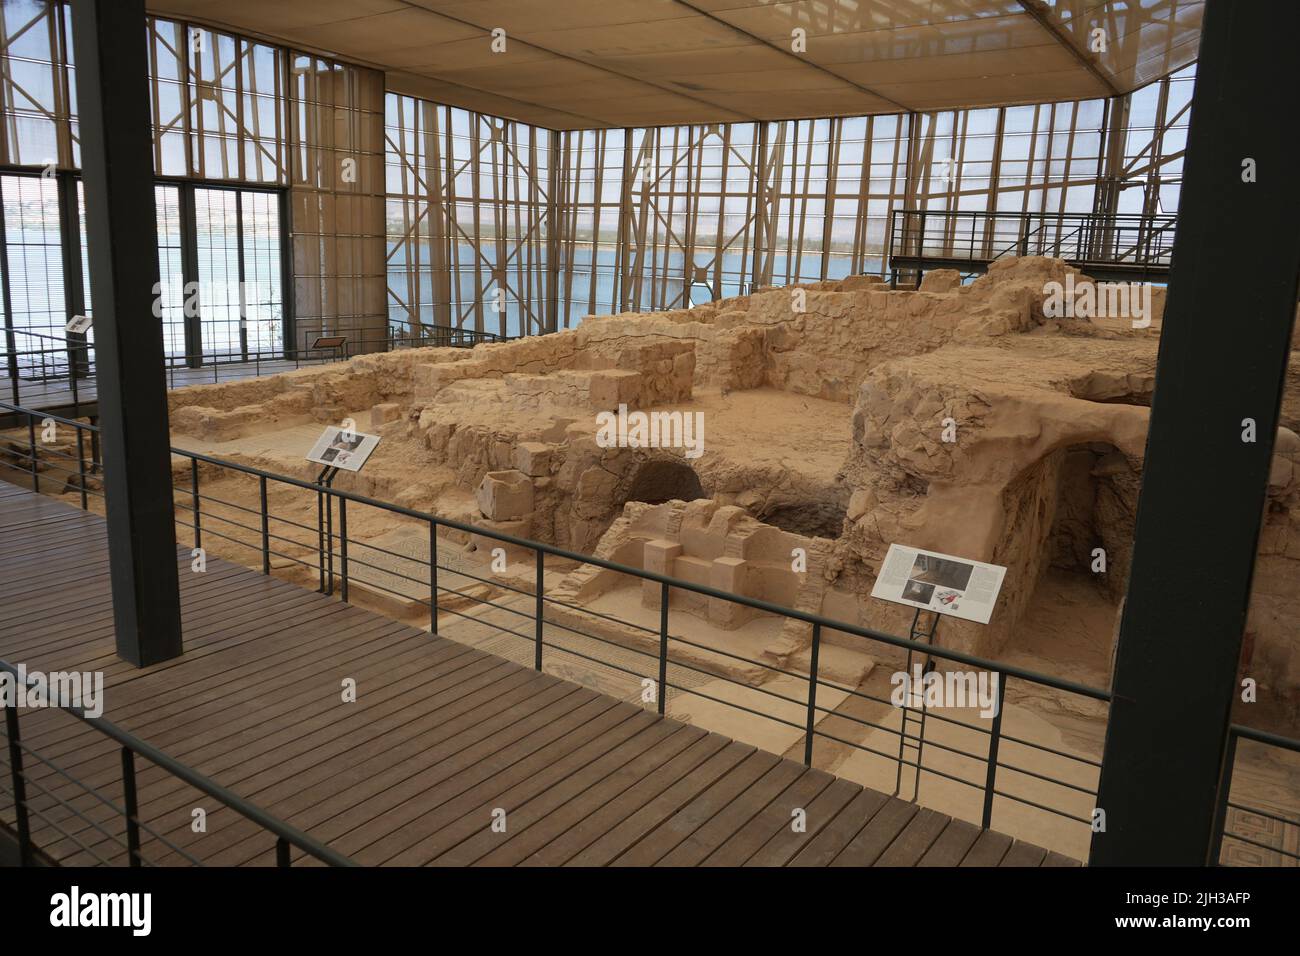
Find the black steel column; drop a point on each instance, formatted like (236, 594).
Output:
(1223, 355)
(117, 167)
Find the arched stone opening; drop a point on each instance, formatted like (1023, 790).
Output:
(663, 480)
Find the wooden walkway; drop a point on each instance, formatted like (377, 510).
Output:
(441, 738)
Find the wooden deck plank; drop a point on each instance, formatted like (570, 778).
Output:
(915, 840)
(734, 817)
(473, 810)
(988, 850)
(592, 825)
(953, 844)
(542, 817)
(669, 834)
(820, 811)
(440, 736)
(1059, 859)
(1023, 854)
(822, 849)
(671, 801)
(874, 838)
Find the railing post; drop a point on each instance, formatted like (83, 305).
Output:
(81, 466)
(994, 738)
(329, 541)
(72, 379)
(194, 493)
(266, 527)
(31, 434)
(433, 578)
(537, 657)
(19, 785)
(812, 695)
(343, 547)
(320, 537)
(663, 647)
(282, 852)
(131, 804)
(1225, 792)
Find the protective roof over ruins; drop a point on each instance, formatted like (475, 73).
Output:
(586, 64)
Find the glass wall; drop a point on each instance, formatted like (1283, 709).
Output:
(249, 140)
(374, 215)
(36, 301)
(670, 217)
(468, 219)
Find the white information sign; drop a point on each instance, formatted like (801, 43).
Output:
(343, 449)
(939, 582)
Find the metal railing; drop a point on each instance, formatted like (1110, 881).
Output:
(1134, 246)
(129, 747)
(59, 371)
(342, 563)
(1237, 733)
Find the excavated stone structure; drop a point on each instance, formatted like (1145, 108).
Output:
(837, 418)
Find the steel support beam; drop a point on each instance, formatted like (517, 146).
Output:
(1222, 362)
(117, 167)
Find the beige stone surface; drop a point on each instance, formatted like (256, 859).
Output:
(836, 419)
(825, 412)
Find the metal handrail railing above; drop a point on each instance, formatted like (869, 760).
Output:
(131, 746)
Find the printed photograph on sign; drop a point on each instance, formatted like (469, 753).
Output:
(343, 449)
(939, 582)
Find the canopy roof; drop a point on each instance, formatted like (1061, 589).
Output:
(574, 64)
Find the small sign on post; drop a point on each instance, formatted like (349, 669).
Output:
(938, 582)
(78, 323)
(340, 448)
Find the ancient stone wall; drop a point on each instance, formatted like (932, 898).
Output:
(976, 424)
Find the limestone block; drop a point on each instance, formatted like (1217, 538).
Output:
(614, 387)
(518, 527)
(728, 574)
(857, 283)
(504, 495)
(383, 414)
(941, 280)
(499, 454)
(697, 571)
(533, 458)
(658, 556)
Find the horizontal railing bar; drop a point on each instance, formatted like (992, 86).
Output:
(54, 826)
(1264, 737)
(201, 783)
(1264, 813)
(1229, 835)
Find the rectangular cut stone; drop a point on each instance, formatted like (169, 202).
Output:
(505, 495)
(658, 556)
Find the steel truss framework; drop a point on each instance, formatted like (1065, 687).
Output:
(500, 226)
(226, 110)
(644, 219)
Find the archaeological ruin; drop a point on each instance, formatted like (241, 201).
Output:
(833, 419)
